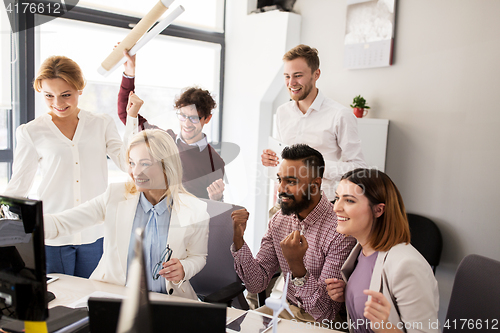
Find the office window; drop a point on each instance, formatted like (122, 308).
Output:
(164, 67)
(200, 14)
(4, 173)
(4, 129)
(4, 147)
(5, 100)
(5, 51)
(177, 58)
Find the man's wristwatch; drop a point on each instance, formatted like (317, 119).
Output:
(300, 281)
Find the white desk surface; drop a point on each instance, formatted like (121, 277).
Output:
(69, 289)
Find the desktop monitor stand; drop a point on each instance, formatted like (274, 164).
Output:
(135, 312)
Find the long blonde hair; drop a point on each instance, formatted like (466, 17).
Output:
(162, 148)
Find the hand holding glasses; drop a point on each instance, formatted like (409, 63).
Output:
(182, 117)
(165, 256)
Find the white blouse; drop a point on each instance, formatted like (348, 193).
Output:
(73, 171)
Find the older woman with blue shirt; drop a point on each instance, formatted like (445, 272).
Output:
(387, 285)
(155, 200)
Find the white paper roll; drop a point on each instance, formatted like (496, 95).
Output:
(145, 39)
(135, 34)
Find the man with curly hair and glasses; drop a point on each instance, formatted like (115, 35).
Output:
(202, 165)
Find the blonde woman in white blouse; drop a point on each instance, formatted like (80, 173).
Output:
(69, 146)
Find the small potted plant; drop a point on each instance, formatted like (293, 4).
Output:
(359, 105)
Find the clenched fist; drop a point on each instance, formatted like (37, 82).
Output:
(134, 105)
(240, 218)
(294, 247)
(215, 190)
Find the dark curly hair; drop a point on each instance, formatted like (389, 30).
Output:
(201, 98)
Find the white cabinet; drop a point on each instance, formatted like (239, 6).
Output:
(373, 135)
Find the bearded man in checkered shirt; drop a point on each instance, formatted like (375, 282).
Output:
(301, 240)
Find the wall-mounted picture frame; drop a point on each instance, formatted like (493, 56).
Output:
(369, 34)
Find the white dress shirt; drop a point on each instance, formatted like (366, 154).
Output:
(328, 127)
(72, 171)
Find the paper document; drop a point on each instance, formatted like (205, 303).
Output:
(12, 232)
(276, 146)
(83, 302)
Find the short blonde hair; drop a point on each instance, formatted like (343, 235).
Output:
(162, 148)
(60, 67)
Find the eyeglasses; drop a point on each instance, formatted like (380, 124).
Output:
(165, 256)
(183, 117)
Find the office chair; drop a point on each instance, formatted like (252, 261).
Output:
(426, 238)
(218, 282)
(475, 296)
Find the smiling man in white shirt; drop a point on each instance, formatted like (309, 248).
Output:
(315, 120)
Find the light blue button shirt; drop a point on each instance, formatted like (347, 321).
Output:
(143, 216)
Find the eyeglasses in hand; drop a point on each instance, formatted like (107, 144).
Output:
(165, 256)
(183, 117)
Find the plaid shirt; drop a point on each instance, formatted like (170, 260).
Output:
(326, 253)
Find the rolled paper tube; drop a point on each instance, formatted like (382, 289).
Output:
(137, 32)
(146, 38)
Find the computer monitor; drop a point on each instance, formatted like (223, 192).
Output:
(167, 316)
(23, 286)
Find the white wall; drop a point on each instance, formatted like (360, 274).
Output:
(441, 96)
(443, 147)
(255, 44)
